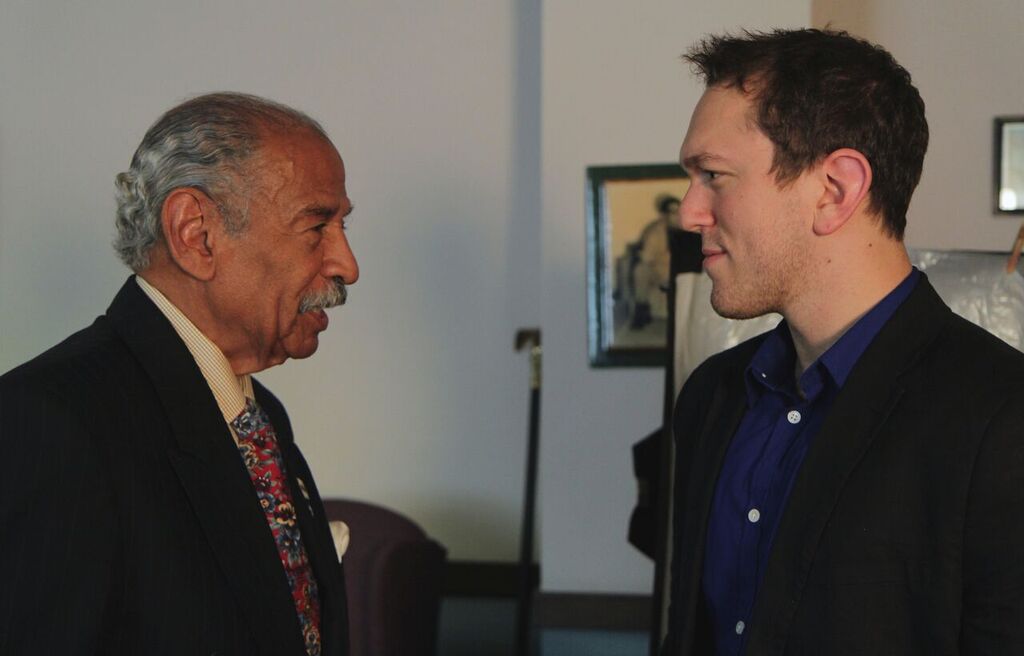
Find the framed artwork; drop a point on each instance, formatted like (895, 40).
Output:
(1008, 196)
(632, 213)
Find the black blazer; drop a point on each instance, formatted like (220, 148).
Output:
(904, 531)
(128, 523)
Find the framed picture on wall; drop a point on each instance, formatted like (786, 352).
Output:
(632, 214)
(1009, 165)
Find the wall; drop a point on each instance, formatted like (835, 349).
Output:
(416, 399)
(466, 127)
(614, 92)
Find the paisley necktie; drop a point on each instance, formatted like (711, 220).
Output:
(258, 446)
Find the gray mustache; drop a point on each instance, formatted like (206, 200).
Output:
(335, 294)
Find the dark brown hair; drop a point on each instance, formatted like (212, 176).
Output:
(816, 91)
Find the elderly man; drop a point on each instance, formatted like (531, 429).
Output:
(154, 501)
(851, 482)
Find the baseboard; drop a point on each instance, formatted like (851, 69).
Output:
(552, 610)
(477, 578)
(609, 612)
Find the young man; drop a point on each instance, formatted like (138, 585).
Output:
(851, 482)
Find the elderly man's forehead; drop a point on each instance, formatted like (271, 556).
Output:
(291, 136)
(281, 149)
(295, 167)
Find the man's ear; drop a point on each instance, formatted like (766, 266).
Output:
(847, 177)
(186, 222)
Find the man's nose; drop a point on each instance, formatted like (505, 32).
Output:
(694, 210)
(339, 260)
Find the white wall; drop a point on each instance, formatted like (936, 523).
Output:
(614, 92)
(416, 399)
(965, 58)
(466, 133)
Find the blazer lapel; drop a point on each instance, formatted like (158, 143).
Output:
(212, 473)
(324, 560)
(871, 392)
(725, 411)
(316, 535)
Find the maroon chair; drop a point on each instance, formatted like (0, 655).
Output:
(393, 576)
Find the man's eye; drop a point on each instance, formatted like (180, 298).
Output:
(709, 176)
(320, 227)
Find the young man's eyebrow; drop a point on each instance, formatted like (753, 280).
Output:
(699, 160)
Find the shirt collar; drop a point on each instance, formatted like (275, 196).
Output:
(772, 366)
(229, 390)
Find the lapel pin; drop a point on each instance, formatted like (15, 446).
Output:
(305, 494)
(302, 488)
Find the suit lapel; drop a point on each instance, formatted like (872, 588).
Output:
(871, 392)
(726, 410)
(212, 473)
(324, 559)
(316, 535)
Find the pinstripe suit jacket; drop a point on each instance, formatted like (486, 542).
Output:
(128, 524)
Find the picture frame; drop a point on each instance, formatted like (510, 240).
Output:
(1008, 177)
(631, 214)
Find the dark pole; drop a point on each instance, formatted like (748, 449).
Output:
(528, 337)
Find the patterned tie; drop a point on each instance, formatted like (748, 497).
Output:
(258, 446)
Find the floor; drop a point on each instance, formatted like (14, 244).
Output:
(562, 642)
(486, 627)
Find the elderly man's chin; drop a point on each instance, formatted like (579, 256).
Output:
(303, 341)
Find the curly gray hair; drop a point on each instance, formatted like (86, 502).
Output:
(205, 143)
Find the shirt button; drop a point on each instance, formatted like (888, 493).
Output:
(754, 515)
(793, 417)
(739, 627)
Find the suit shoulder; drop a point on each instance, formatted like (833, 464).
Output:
(87, 360)
(64, 398)
(977, 356)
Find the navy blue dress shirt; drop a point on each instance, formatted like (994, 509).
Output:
(764, 458)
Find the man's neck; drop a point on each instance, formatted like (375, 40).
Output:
(842, 296)
(190, 301)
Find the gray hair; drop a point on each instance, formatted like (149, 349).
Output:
(204, 143)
